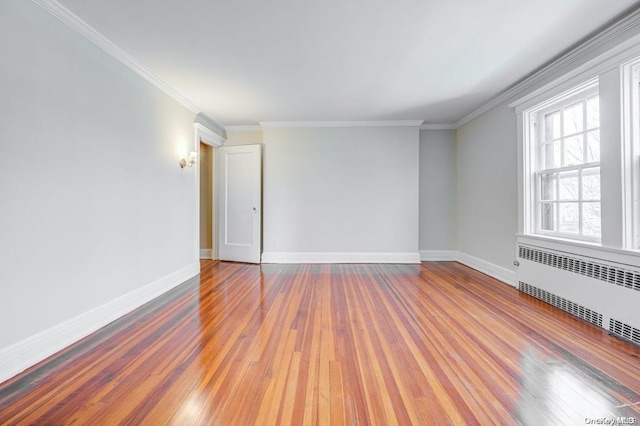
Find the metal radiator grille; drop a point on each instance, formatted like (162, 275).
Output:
(625, 331)
(599, 271)
(562, 303)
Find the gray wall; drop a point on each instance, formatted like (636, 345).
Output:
(487, 193)
(341, 190)
(93, 202)
(437, 190)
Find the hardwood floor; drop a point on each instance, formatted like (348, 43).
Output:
(436, 343)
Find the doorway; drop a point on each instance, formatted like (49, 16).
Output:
(228, 185)
(207, 200)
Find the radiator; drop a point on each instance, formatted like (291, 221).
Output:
(603, 292)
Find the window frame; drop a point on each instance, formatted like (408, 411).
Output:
(631, 154)
(533, 120)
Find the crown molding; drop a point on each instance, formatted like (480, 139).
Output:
(211, 124)
(88, 32)
(438, 127)
(576, 54)
(243, 128)
(581, 76)
(391, 123)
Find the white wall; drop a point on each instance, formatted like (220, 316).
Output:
(340, 190)
(437, 190)
(93, 202)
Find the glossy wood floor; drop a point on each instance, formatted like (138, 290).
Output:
(436, 343)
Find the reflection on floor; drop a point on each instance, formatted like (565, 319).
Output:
(565, 389)
(436, 343)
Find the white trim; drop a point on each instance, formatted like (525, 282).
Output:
(630, 152)
(279, 257)
(438, 255)
(394, 123)
(243, 128)
(550, 94)
(581, 76)
(87, 31)
(498, 272)
(209, 137)
(502, 274)
(206, 253)
(206, 135)
(451, 126)
(576, 54)
(30, 351)
(584, 249)
(210, 124)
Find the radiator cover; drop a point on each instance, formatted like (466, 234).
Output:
(602, 292)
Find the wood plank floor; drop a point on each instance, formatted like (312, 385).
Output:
(436, 343)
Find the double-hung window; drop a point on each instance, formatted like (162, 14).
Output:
(566, 167)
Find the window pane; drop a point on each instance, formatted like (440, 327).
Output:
(573, 119)
(593, 112)
(568, 185)
(591, 219)
(551, 155)
(568, 218)
(548, 216)
(573, 148)
(591, 184)
(548, 186)
(552, 126)
(593, 146)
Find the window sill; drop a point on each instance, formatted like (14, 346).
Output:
(582, 248)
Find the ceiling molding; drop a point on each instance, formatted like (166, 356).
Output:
(392, 123)
(243, 128)
(582, 75)
(438, 127)
(87, 31)
(610, 33)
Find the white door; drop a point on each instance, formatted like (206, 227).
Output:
(240, 203)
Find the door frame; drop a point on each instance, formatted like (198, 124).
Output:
(208, 137)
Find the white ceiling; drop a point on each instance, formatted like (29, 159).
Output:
(247, 61)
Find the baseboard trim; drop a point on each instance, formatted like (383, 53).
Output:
(18, 357)
(438, 255)
(205, 253)
(280, 257)
(495, 271)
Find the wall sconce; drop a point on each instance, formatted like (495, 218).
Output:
(190, 161)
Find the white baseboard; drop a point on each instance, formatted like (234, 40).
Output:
(498, 272)
(28, 352)
(279, 257)
(438, 255)
(205, 253)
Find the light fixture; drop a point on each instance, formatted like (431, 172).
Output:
(190, 161)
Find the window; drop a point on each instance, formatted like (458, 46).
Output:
(565, 166)
(579, 155)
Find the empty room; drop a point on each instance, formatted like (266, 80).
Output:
(349, 212)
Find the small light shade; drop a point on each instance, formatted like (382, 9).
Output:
(190, 161)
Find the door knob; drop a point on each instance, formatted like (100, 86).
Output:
(255, 210)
